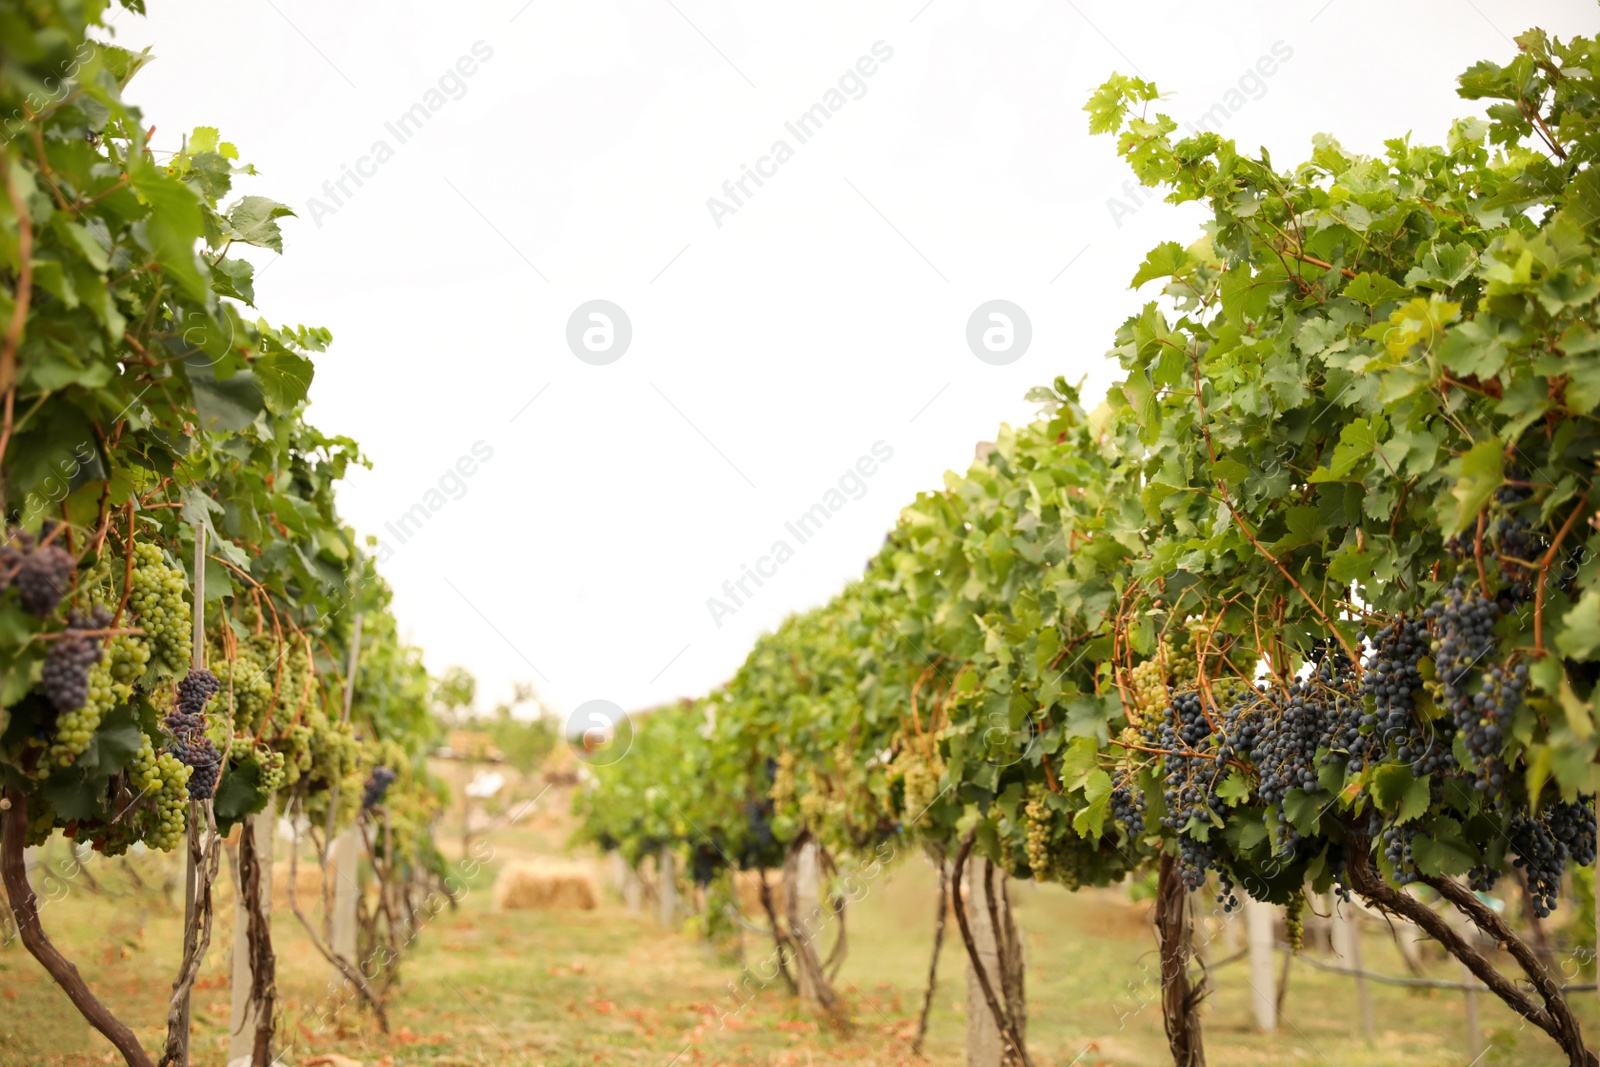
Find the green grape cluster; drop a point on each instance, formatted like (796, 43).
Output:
(74, 729)
(1183, 664)
(110, 683)
(921, 782)
(1008, 853)
(142, 769)
(297, 671)
(1295, 920)
(334, 758)
(249, 681)
(783, 780)
(243, 749)
(272, 770)
(813, 802)
(128, 655)
(41, 824)
(297, 752)
(165, 780)
(1036, 814)
(161, 602)
(334, 752)
(1150, 685)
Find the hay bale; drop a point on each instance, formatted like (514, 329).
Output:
(545, 884)
(747, 885)
(308, 884)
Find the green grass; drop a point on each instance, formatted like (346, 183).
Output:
(569, 988)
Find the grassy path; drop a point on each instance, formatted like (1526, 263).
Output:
(486, 987)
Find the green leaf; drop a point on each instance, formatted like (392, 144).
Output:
(1304, 810)
(1583, 391)
(238, 794)
(1305, 528)
(235, 278)
(1374, 289)
(1229, 470)
(1235, 789)
(1473, 350)
(1091, 820)
(1245, 297)
(173, 228)
(1400, 794)
(1389, 785)
(92, 250)
(1142, 397)
(1252, 833)
(226, 406)
(74, 794)
(114, 744)
(284, 378)
(1443, 267)
(1164, 261)
(1414, 802)
(1080, 760)
(1357, 439)
(1443, 851)
(1579, 634)
(1482, 472)
(254, 222)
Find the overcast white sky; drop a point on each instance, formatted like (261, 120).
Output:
(826, 314)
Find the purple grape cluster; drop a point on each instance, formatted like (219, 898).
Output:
(42, 575)
(1465, 622)
(187, 724)
(377, 785)
(1128, 805)
(66, 665)
(1393, 679)
(1544, 844)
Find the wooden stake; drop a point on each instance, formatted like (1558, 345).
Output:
(197, 654)
(1347, 945)
(667, 895)
(346, 891)
(1259, 921)
(1474, 1027)
(350, 671)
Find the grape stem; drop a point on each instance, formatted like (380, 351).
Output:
(114, 631)
(1477, 552)
(1544, 571)
(1355, 659)
(127, 570)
